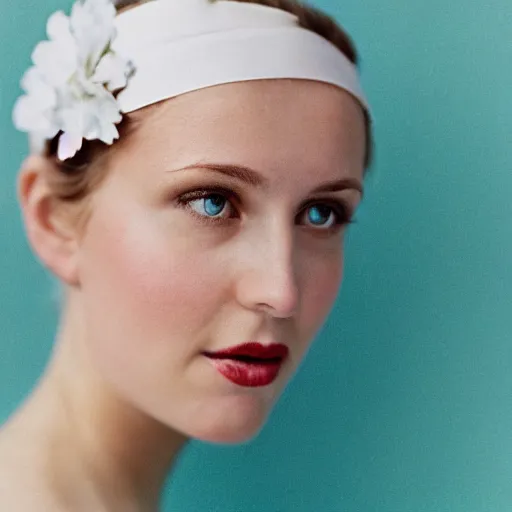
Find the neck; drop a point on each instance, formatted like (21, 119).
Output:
(99, 448)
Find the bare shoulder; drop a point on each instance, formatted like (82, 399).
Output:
(20, 489)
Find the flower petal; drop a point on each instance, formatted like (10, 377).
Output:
(28, 117)
(55, 62)
(101, 111)
(68, 146)
(33, 83)
(58, 27)
(113, 71)
(92, 23)
(109, 132)
(31, 80)
(73, 118)
(108, 108)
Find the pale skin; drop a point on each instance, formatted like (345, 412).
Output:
(149, 286)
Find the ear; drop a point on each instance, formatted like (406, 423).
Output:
(52, 239)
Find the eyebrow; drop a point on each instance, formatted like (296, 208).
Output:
(256, 179)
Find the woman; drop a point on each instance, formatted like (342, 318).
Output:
(198, 244)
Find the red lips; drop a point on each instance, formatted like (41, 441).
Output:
(252, 350)
(250, 364)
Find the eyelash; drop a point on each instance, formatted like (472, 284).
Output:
(341, 212)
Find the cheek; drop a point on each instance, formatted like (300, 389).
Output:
(144, 285)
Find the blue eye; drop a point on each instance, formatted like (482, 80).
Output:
(213, 206)
(320, 213)
(213, 201)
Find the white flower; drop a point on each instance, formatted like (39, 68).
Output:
(75, 72)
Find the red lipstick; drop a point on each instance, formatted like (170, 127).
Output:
(250, 364)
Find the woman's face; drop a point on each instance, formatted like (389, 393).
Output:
(166, 275)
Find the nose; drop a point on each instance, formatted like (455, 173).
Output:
(268, 274)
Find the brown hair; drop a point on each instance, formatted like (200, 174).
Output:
(77, 177)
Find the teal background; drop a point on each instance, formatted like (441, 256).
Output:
(405, 401)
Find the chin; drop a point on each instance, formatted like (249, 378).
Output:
(228, 428)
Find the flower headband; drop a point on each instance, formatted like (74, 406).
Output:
(97, 66)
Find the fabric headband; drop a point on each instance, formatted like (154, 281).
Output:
(181, 46)
(158, 50)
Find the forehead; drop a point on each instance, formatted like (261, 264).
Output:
(267, 124)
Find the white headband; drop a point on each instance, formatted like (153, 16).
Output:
(180, 46)
(174, 47)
